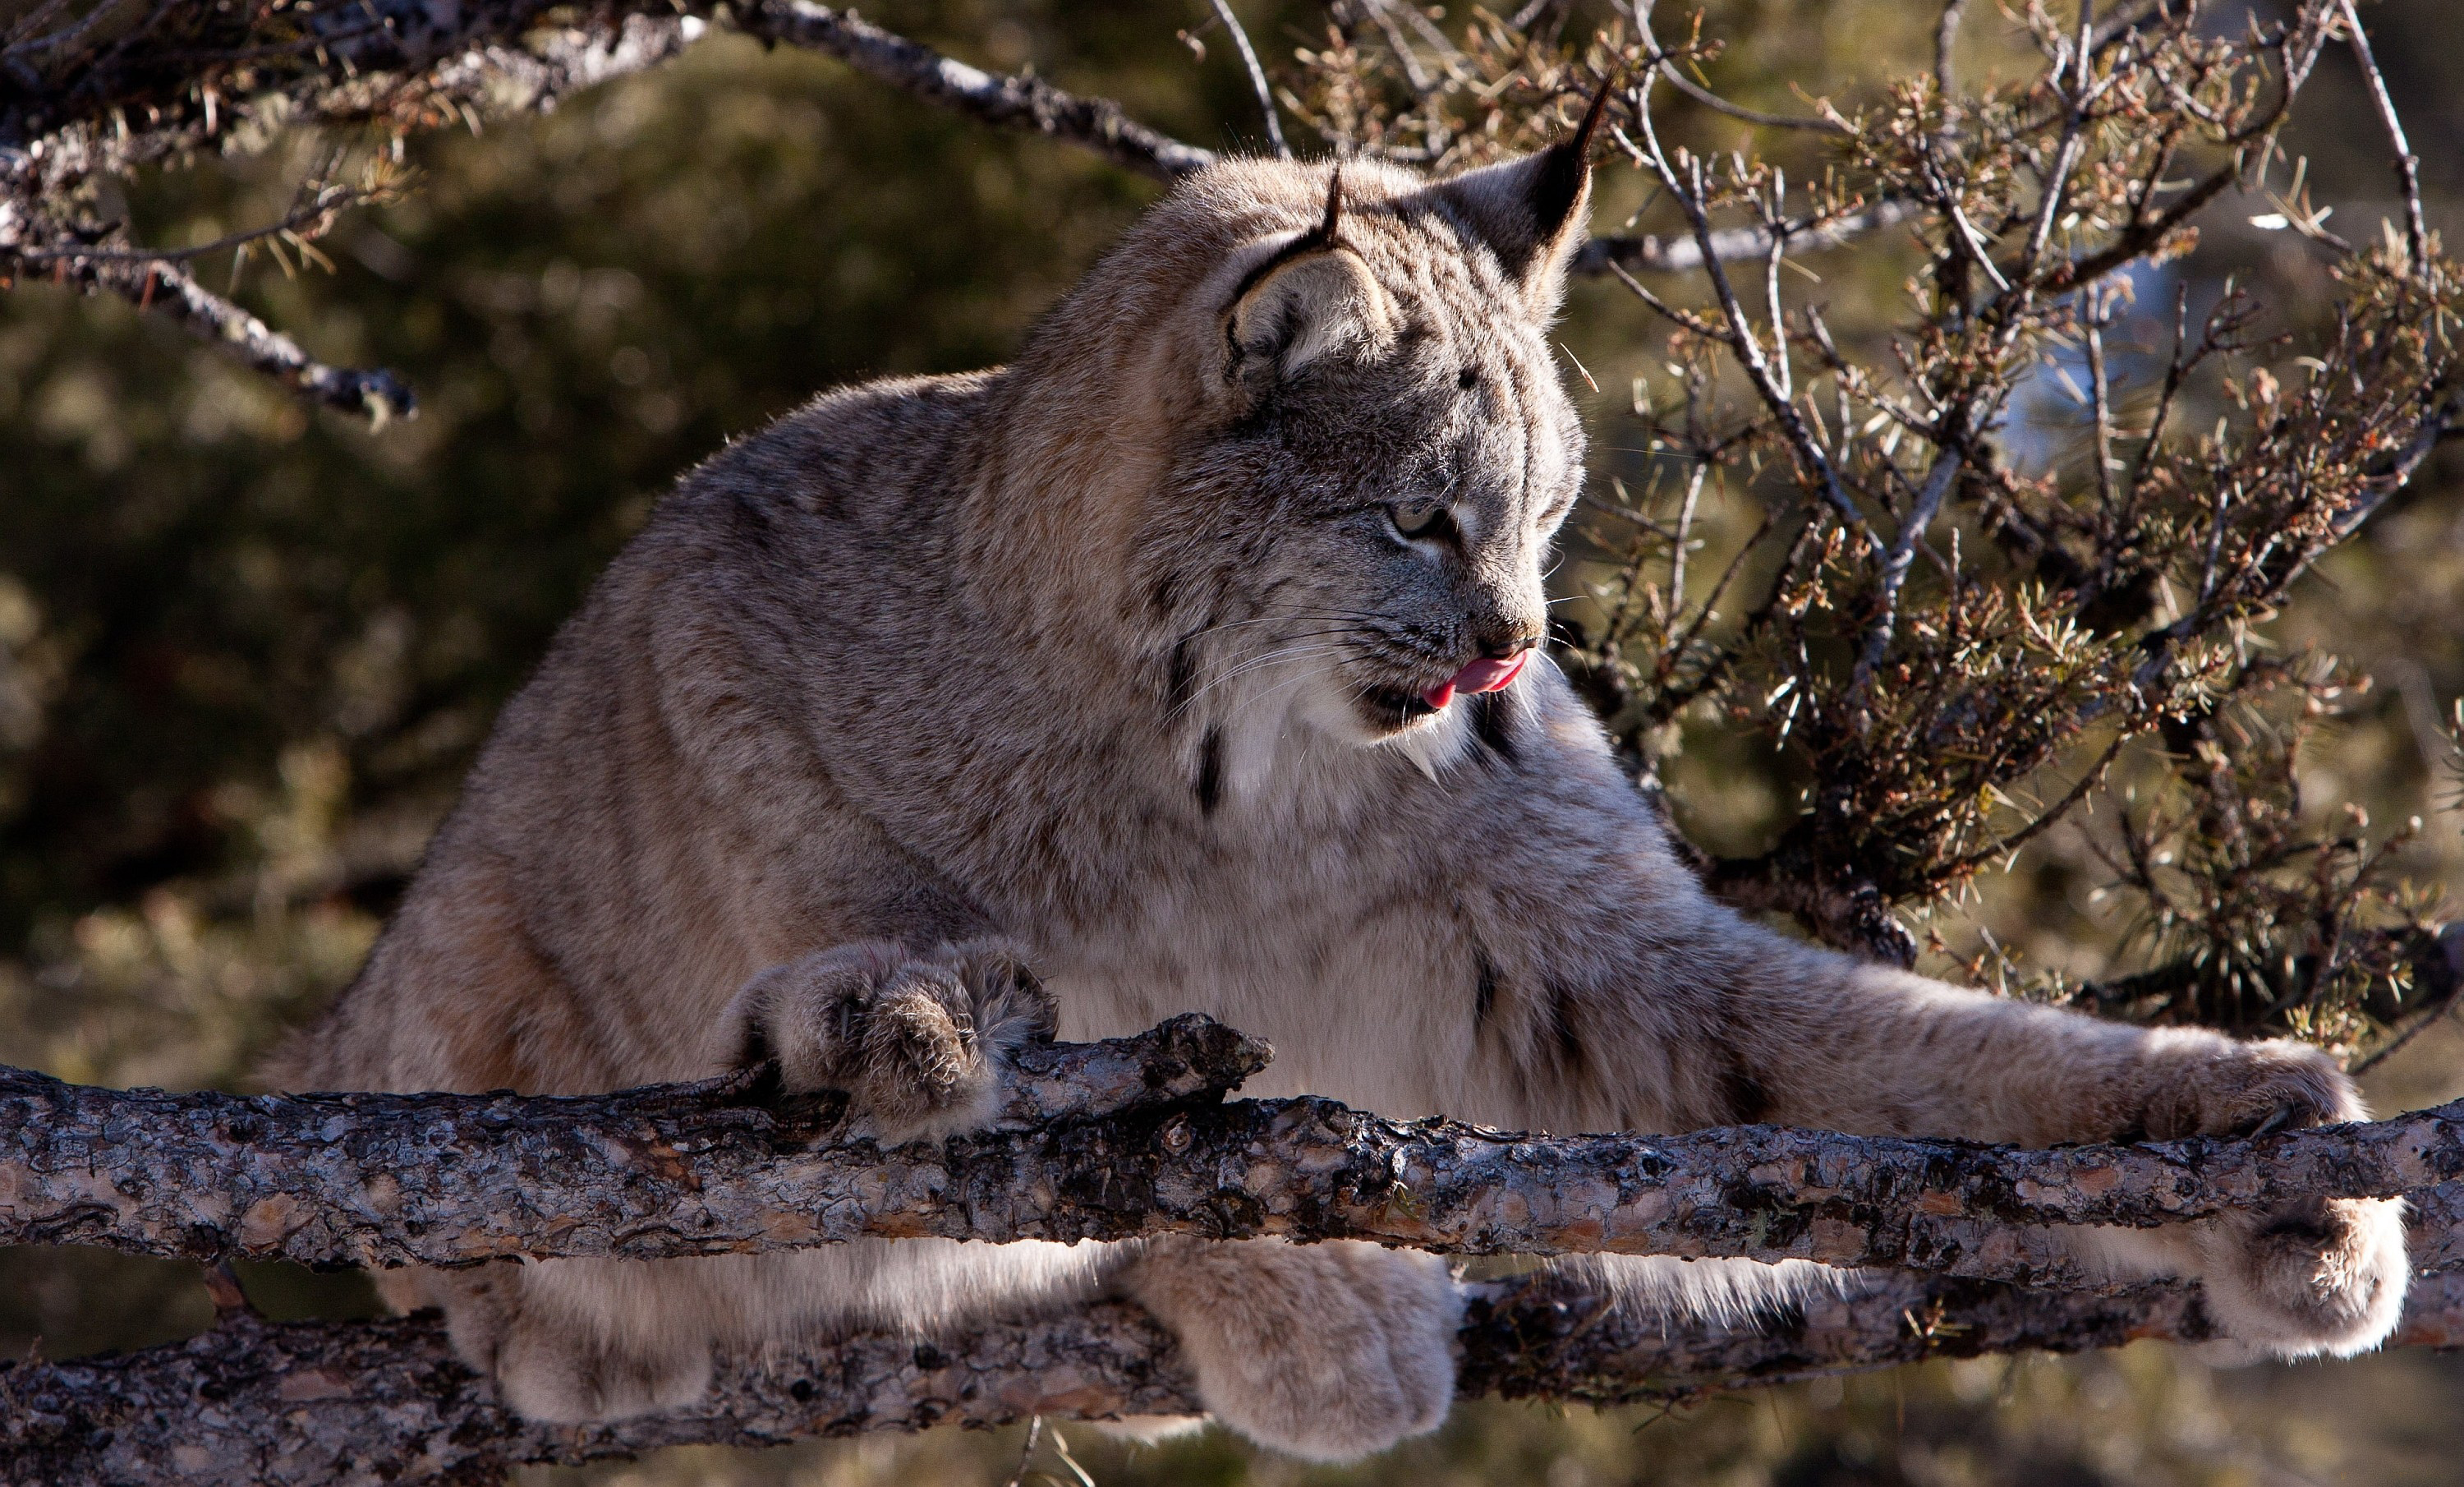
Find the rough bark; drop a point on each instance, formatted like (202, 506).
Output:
(1109, 1141)
(348, 1404)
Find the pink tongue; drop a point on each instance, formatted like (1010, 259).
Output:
(1479, 676)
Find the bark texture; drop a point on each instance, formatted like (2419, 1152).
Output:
(385, 1403)
(1108, 1140)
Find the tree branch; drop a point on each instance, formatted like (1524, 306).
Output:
(1108, 1140)
(1009, 99)
(84, 100)
(1650, 253)
(252, 1404)
(2408, 165)
(169, 288)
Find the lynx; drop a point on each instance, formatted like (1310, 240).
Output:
(1193, 662)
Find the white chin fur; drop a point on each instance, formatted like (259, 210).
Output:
(1434, 743)
(1273, 712)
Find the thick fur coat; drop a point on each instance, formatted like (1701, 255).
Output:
(1145, 675)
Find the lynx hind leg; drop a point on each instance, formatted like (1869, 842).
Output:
(549, 1365)
(1329, 1352)
(919, 1040)
(2294, 1280)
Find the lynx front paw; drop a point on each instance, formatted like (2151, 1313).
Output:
(2204, 1084)
(1329, 1352)
(2311, 1276)
(918, 1041)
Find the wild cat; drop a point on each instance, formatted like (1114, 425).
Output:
(1190, 664)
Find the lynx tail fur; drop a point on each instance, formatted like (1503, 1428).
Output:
(1189, 663)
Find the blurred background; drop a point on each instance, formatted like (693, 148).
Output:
(247, 649)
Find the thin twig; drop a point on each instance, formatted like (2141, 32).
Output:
(1257, 76)
(321, 207)
(1740, 336)
(2408, 165)
(1945, 41)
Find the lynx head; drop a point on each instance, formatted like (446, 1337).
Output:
(1355, 448)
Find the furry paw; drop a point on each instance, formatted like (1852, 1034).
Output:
(2320, 1275)
(2309, 1276)
(1329, 1352)
(2201, 1084)
(565, 1377)
(548, 1366)
(917, 1041)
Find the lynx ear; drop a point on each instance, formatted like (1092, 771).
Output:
(1311, 296)
(1532, 213)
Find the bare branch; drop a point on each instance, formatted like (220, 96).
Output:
(695, 1169)
(1945, 42)
(1257, 76)
(387, 1405)
(1938, 482)
(65, 116)
(1666, 65)
(2408, 165)
(1009, 99)
(1815, 466)
(169, 289)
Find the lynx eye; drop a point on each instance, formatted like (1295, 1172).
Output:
(1425, 517)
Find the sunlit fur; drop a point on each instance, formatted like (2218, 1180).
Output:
(1110, 653)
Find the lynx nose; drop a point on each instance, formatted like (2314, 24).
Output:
(1505, 645)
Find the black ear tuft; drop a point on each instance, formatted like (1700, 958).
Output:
(1324, 238)
(1527, 210)
(1565, 167)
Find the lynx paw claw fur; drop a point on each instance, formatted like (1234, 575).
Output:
(918, 1041)
(2311, 1276)
(1329, 1352)
(2209, 1086)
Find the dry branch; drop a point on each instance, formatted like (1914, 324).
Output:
(373, 392)
(356, 1405)
(1009, 99)
(1648, 253)
(1111, 1140)
(84, 100)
